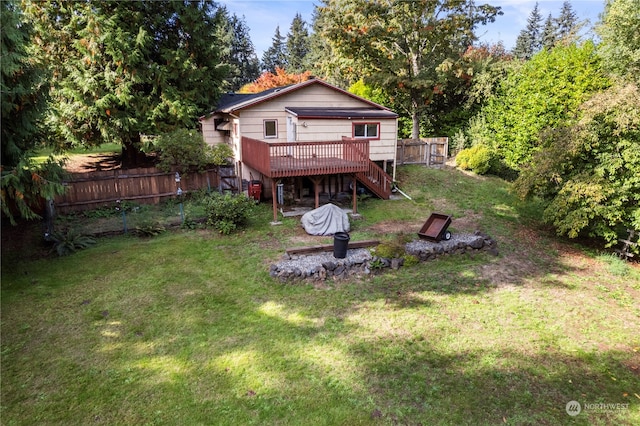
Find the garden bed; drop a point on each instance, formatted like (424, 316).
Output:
(362, 262)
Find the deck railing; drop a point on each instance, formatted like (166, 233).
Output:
(284, 159)
(377, 180)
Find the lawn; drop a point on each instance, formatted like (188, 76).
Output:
(188, 327)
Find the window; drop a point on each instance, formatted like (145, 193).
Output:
(366, 130)
(270, 129)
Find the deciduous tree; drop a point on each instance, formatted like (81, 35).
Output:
(545, 92)
(401, 46)
(619, 32)
(589, 171)
(269, 80)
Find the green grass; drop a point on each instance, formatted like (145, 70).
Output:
(188, 327)
(108, 148)
(101, 149)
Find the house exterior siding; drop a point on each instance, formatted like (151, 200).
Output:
(251, 121)
(247, 120)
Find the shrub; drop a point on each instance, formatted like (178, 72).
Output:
(185, 150)
(589, 171)
(477, 159)
(388, 250)
(70, 241)
(226, 212)
(393, 249)
(411, 260)
(459, 141)
(150, 228)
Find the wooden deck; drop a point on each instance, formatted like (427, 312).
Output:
(289, 159)
(315, 159)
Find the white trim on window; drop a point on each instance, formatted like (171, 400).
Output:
(270, 128)
(366, 130)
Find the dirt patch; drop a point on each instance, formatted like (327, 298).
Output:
(470, 222)
(396, 227)
(508, 270)
(87, 163)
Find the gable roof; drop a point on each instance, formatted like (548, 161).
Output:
(232, 102)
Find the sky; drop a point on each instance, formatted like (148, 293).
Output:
(263, 16)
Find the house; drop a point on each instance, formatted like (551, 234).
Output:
(306, 139)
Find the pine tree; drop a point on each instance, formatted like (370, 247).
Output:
(122, 69)
(549, 33)
(245, 66)
(276, 55)
(567, 23)
(22, 88)
(297, 45)
(24, 184)
(522, 49)
(529, 40)
(320, 56)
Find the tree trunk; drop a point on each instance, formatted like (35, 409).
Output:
(415, 115)
(132, 156)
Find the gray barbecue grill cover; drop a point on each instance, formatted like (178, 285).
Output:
(325, 220)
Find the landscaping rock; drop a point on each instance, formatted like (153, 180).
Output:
(359, 261)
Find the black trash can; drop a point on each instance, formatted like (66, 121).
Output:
(340, 244)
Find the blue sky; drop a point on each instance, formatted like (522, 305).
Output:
(263, 16)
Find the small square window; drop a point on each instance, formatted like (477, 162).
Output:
(270, 128)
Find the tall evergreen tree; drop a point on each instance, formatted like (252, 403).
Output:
(123, 69)
(320, 50)
(276, 55)
(549, 33)
(245, 66)
(567, 23)
(23, 91)
(297, 45)
(23, 87)
(529, 40)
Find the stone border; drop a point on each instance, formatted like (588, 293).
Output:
(360, 262)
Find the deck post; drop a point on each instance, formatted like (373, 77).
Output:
(316, 190)
(274, 199)
(354, 195)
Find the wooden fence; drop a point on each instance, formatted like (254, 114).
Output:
(85, 191)
(428, 151)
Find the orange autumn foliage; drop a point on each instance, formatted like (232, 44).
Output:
(269, 80)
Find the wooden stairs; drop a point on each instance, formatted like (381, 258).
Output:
(376, 180)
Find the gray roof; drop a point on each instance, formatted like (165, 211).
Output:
(338, 112)
(230, 102)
